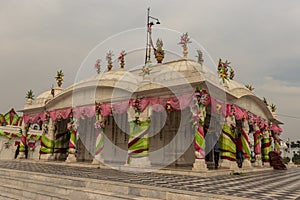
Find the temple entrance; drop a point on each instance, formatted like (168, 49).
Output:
(171, 139)
(86, 136)
(212, 130)
(61, 139)
(116, 139)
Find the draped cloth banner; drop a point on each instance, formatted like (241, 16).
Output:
(245, 139)
(138, 145)
(257, 135)
(72, 142)
(227, 138)
(266, 147)
(99, 144)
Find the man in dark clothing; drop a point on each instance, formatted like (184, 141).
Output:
(239, 150)
(26, 151)
(217, 153)
(17, 151)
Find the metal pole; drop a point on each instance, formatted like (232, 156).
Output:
(147, 43)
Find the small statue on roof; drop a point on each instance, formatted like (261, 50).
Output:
(200, 57)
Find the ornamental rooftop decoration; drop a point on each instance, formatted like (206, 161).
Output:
(59, 78)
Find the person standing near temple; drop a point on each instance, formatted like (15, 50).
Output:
(239, 150)
(217, 153)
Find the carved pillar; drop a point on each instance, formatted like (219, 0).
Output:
(23, 142)
(199, 115)
(138, 143)
(227, 144)
(257, 145)
(72, 128)
(100, 126)
(47, 141)
(246, 143)
(266, 146)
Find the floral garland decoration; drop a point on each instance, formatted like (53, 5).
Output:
(201, 99)
(98, 66)
(100, 121)
(146, 70)
(223, 70)
(136, 104)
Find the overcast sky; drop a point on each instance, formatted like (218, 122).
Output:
(260, 38)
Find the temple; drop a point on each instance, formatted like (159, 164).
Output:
(168, 114)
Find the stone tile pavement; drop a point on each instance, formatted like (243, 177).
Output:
(267, 185)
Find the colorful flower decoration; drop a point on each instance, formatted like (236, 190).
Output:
(202, 98)
(184, 40)
(100, 124)
(97, 108)
(146, 69)
(137, 106)
(223, 68)
(121, 58)
(98, 66)
(109, 56)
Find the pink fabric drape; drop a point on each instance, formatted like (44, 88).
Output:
(238, 113)
(276, 129)
(64, 113)
(106, 110)
(121, 107)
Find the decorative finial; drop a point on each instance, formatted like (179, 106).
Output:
(98, 66)
(200, 57)
(249, 87)
(121, 58)
(29, 96)
(223, 70)
(265, 101)
(109, 56)
(184, 40)
(59, 77)
(159, 52)
(52, 91)
(273, 107)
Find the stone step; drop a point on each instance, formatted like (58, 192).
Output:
(31, 185)
(86, 188)
(18, 192)
(9, 196)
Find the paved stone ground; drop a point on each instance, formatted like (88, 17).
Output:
(267, 185)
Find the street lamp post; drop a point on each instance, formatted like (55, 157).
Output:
(149, 40)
